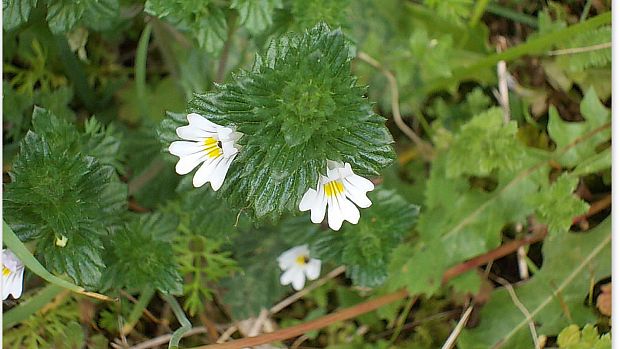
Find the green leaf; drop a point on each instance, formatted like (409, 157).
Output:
(483, 145)
(454, 10)
(64, 15)
(203, 19)
(565, 133)
(138, 255)
(593, 164)
(554, 297)
(256, 15)
(307, 13)
(62, 198)
(365, 248)
(559, 217)
(573, 338)
(299, 99)
(257, 286)
(594, 58)
(16, 12)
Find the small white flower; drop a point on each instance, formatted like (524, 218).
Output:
(210, 144)
(297, 266)
(12, 275)
(338, 191)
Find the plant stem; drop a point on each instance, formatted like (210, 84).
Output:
(136, 312)
(534, 46)
(481, 5)
(140, 68)
(16, 246)
(30, 306)
(180, 314)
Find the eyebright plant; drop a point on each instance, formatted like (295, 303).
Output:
(298, 107)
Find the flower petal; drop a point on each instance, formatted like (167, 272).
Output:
(205, 172)
(17, 283)
(187, 163)
(219, 172)
(350, 213)
(199, 121)
(313, 269)
(308, 200)
(288, 276)
(192, 133)
(357, 196)
(360, 183)
(229, 149)
(183, 148)
(334, 214)
(299, 279)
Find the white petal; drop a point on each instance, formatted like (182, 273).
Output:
(17, 283)
(219, 173)
(313, 269)
(205, 172)
(299, 279)
(308, 200)
(288, 276)
(183, 148)
(334, 214)
(10, 260)
(317, 213)
(224, 133)
(199, 121)
(187, 163)
(229, 149)
(357, 196)
(287, 258)
(5, 287)
(193, 133)
(360, 183)
(349, 211)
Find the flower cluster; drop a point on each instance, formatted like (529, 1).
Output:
(214, 147)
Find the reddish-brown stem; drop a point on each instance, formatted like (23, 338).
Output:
(306, 327)
(595, 208)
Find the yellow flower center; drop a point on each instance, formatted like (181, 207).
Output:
(5, 271)
(302, 260)
(333, 188)
(213, 147)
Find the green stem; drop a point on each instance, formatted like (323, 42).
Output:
(21, 251)
(512, 15)
(140, 68)
(586, 11)
(534, 46)
(402, 318)
(180, 314)
(478, 12)
(30, 306)
(136, 312)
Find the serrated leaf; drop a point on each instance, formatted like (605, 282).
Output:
(564, 133)
(365, 248)
(554, 297)
(138, 255)
(16, 12)
(483, 145)
(598, 56)
(256, 15)
(203, 19)
(302, 83)
(63, 15)
(307, 13)
(559, 217)
(63, 198)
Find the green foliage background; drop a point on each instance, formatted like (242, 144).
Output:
(95, 89)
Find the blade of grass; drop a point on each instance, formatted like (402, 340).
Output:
(140, 68)
(30, 306)
(534, 46)
(181, 317)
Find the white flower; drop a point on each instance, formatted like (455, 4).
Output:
(205, 142)
(297, 265)
(338, 191)
(12, 275)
